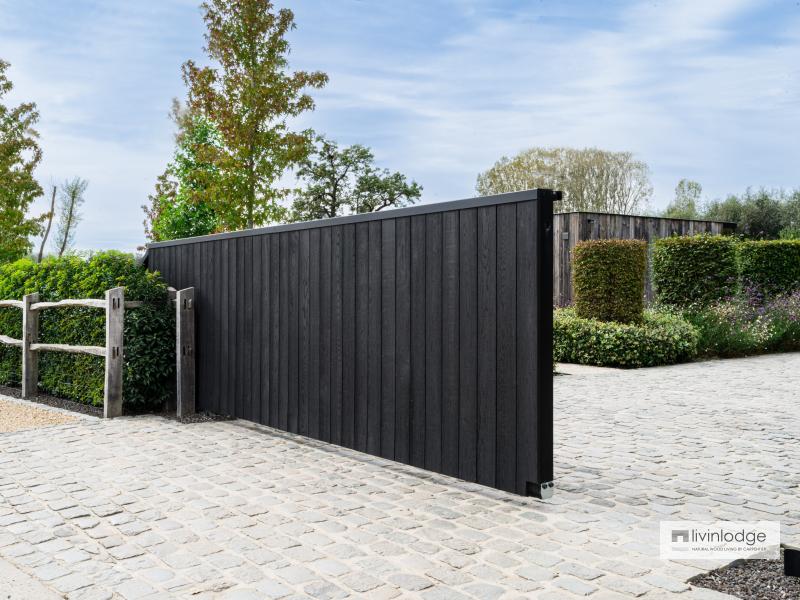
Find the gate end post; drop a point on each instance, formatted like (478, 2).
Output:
(115, 320)
(185, 350)
(30, 359)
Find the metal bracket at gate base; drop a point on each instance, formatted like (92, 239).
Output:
(543, 491)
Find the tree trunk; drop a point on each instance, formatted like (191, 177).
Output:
(49, 224)
(65, 241)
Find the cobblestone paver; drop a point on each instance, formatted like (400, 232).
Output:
(148, 508)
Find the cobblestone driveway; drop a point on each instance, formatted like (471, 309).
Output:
(148, 508)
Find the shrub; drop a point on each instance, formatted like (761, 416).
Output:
(697, 269)
(771, 267)
(608, 277)
(748, 325)
(149, 330)
(661, 339)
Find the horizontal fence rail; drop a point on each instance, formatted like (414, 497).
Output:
(422, 335)
(114, 306)
(9, 341)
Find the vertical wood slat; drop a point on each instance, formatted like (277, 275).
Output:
(362, 363)
(506, 470)
(374, 408)
(468, 346)
(253, 300)
(487, 342)
(325, 319)
(450, 343)
(433, 342)
(350, 352)
(283, 333)
(313, 334)
(243, 345)
(399, 336)
(403, 394)
(418, 299)
(293, 326)
(388, 247)
(303, 334)
(264, 337)
(337, 346)
(274, 330)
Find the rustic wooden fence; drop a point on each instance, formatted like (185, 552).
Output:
(571, 228)
(114, 306)
(422, 335)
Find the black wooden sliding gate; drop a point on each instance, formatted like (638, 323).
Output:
(422, 335)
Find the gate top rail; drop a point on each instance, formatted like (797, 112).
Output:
(10, 303)
(395, 213)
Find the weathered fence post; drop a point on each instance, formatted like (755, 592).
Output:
(115, 319)
(184, 341)
(30, 358)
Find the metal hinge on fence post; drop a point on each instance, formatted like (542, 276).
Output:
(185, 342)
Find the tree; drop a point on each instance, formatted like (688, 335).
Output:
(49, 216)
(686, 202)
(728, 210)
(791, 217)
(19, 156)
(591, 179)
(345, 181)
(179, 206)
(249, 98)
(69, 216)
(758, 214)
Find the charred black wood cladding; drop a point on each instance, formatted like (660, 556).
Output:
(421, 335)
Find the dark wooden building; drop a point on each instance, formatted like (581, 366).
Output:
(570, 228)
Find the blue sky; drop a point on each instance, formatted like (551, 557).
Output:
(440, 89)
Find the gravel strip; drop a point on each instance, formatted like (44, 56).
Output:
(752, 580)
(70, 405)
(15, 416)
(201, 417)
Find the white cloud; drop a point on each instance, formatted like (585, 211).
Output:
(440, 90)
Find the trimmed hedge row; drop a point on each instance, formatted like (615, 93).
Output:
(704, 269)
(770, 267)
(696, 270)
(149, 330)
(661, 339)
(609, 277)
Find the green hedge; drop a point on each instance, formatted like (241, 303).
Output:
(608, 278)
(770, 267)
(661, 339)
(149, 330)
(694, 270)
